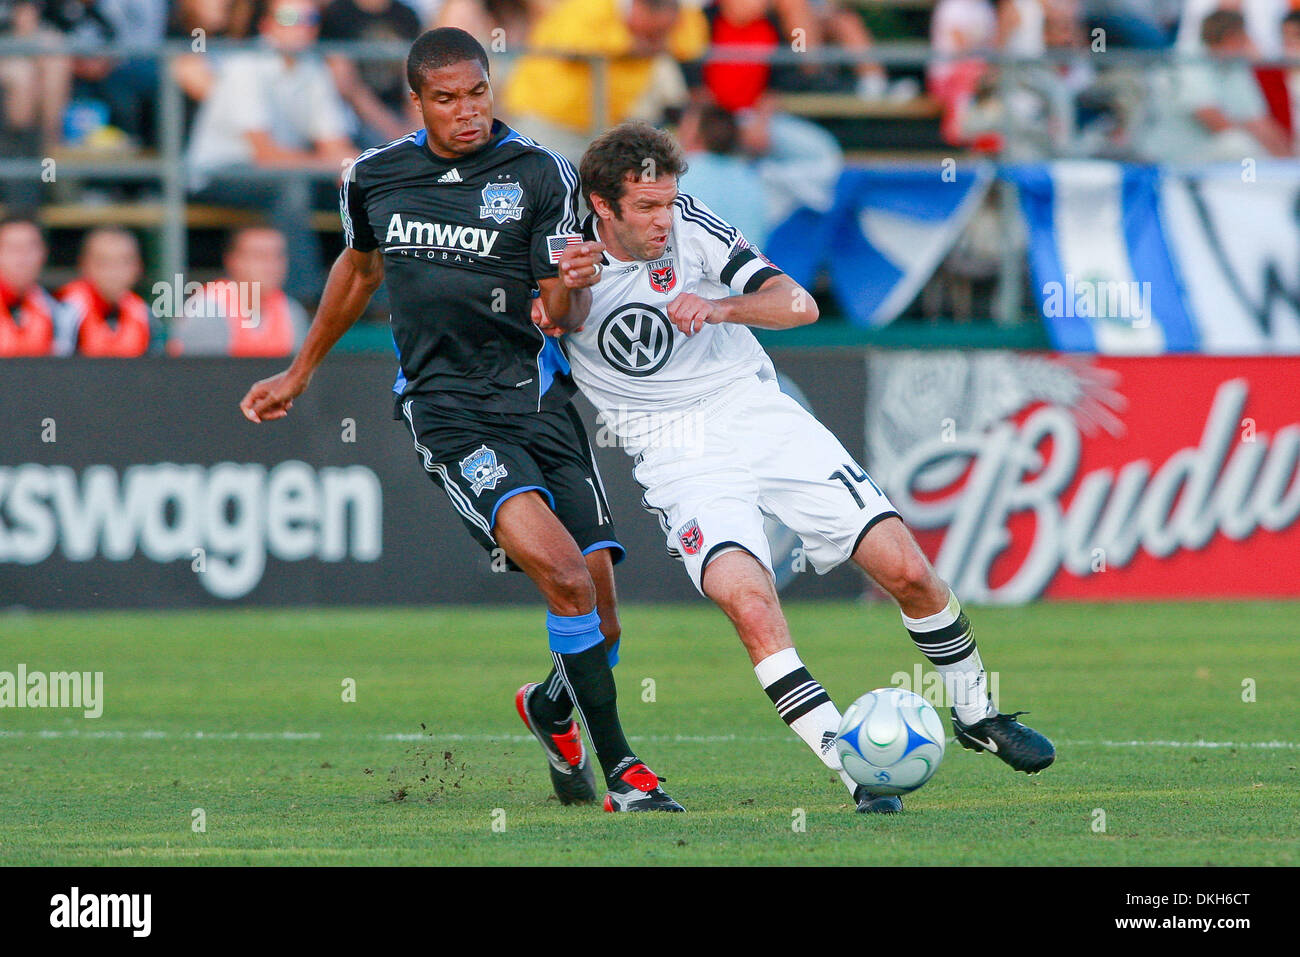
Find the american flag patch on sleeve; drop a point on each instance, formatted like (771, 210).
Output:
(557, 244)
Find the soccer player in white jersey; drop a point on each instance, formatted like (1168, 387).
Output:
(661, 346)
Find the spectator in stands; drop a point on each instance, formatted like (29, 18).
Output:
(274, 109)
(35, 89)
(32, 322)
(1142, 24)
(550, 98)
(1215, 111)
(246, 313)
(376, 90)
(1291, 50)
(199, 22)
(958, 29)
(1020, 27)
(803, 159)
(720, 173)
(127, 88)
(109, 318)
(500, 25)
(749, 24)
(1262, 19)
(817, 25)
(1045, 110)
(795, 163)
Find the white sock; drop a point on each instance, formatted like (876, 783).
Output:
(804, 705)
(945, 639)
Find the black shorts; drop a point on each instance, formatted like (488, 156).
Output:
(483, 458)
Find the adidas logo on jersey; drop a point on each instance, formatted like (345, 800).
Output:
(451, 176)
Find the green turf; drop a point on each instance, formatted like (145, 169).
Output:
(288, 773)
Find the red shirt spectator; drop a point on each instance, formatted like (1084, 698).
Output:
(110, 319)
(116, 329)
(745, 24)
(30, 319)
(246, 314)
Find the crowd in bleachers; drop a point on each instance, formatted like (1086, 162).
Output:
(270, 124)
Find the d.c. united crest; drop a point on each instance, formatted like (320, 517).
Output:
(481, 470)
(502, 202)
(662, 275)
(691, 537)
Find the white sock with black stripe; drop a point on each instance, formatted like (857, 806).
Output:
(945, 638)
(804, 705)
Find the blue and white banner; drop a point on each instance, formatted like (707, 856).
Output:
(884, 235)
(1143, 260)
(1102, 270)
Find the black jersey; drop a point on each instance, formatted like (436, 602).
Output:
(464, 243)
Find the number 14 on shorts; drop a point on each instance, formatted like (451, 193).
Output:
(851, 476)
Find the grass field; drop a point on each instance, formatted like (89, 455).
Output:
(240, 714)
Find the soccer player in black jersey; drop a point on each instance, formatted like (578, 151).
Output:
(465, 218)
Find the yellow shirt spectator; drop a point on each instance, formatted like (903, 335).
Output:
(562, 91)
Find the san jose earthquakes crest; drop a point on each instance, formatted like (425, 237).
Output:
(502, 202)
(662, 275)
(481, 470)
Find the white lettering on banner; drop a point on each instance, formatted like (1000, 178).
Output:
(240, 514)
(1189, 498)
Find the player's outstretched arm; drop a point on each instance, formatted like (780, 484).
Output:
(353, 279)
(780, 303)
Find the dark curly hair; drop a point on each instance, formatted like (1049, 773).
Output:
(633, 149)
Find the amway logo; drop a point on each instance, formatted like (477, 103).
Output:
(412, 232)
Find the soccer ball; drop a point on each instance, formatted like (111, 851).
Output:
(890, 741)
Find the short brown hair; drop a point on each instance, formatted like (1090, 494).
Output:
(1221, 25)
(635, 149)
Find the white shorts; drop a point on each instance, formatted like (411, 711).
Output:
(755, 452)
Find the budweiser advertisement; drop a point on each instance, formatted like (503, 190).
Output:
(1030, 475)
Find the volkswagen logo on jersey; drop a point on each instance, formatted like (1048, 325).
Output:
(636, 339)
(481, 470)
(662, 276)
(502, 202)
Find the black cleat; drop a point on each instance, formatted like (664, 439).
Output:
(877, 803)
(571, 773)
(636, 788)
(1017, 744)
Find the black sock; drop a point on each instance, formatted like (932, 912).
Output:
(551, 705)
(591, 684)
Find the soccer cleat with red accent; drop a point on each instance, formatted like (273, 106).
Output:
(636, 788)
(571, 774)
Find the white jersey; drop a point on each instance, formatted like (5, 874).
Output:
(642, 373)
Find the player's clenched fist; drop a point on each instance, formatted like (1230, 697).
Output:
(689, 312)
(542, 321)
(580, 264)
(271, 398)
